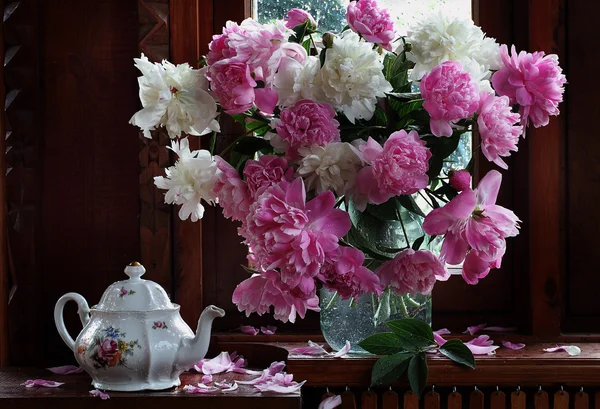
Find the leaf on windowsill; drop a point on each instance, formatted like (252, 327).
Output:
(389, 368)
(458, 352)
(417, 373)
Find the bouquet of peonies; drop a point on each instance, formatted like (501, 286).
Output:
(347, 133)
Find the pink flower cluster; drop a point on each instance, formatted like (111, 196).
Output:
(398, 168)
(475, 227)
(413, 272)
(243, 55)
(267, 171)
(534, 81)
(374, 24)
(232, 192)
(307, 123)
(449, 95)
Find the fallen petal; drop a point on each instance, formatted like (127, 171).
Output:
(438, 339)
(276, 367)
(264, 377)
(269, 330)
(312, 349)
(482, 340)
(331, 402)
(570, 349)
(514, 347)
(65, 370)
(217, 365)
(199, 389)
(248, 329)
(271, 387)
(474, 329)
(41, 382)
(343, 351)
(482, 350)
(99, 394)
(207, 379)
(231, 388)
(443, 331)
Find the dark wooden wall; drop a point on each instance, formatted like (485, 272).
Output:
(72, 184)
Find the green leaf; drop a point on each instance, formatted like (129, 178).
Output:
(417, 332)
(322, 56)
(380, 117)
(405, 95)
(417, 373)
(408, 202)
(299, 33)
(306, 45)
(417, 243)
(389, 368)
(258, 127)
(406, 107)
(239, 118)
(213, 142)
(249, 145)
(458, 352)
(385, 343)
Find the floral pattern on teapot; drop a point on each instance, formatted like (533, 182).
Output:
(125, 292)
(109, 348)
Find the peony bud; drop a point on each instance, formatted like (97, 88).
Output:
(328, 40)
(296, 17)
(460, 180)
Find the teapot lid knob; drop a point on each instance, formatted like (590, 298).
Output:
(135, 270)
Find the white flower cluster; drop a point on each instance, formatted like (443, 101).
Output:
(442, 37)
(176, 97)
(190, 180)
(351, 78)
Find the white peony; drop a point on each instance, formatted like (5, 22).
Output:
(442, 37)
(352, 77)
(333, 166)
(298, 80)
(190, 180)
(176, 97)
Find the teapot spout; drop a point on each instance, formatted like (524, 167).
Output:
(192, 350)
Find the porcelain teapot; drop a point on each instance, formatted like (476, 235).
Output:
(135, 338)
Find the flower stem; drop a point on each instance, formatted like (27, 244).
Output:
(403, 229)
(330, 303)
(403, 306)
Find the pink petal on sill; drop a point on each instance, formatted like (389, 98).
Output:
(275, 367)
(269, 330)
(65, 370)
(343, 351)
(438, 339)
(99, 394)
(482, 340)
(500, 329)
(570, 349)
(443, 331)
(201, 388)
(312, 349)
(207, 379)
(248, 329)
(482, 350)
(277, 388)
(230, 388)
(221, 363)
(331, 402)
(264, 377)
(41, 382)
(472, 330)
(514, 347)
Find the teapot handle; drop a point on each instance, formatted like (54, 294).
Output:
(82, 309)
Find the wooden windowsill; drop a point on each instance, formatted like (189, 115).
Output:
(74, 394)
(530, 366)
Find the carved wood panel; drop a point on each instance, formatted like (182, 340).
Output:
(155, 216)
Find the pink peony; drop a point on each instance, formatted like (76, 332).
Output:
(345, 274)
(475, 227)
(219, 46)
(295, 17)
(499, 134)
(449, 95)
(372, 23)
(233, 85)
(286, 232)
(397, 168)
(231, 191)
(460, 179)
(412, 272)
(107, 349)
(307, 123)
(267, 171)
(534, 81)
(261, 292)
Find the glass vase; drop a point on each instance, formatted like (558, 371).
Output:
(355, 320)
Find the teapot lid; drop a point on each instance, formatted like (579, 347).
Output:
(134, 294)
